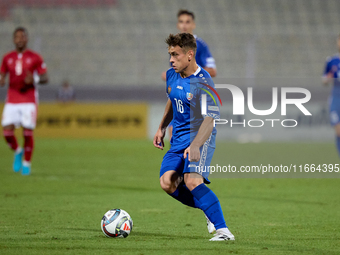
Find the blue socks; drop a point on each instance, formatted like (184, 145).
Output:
(338, 144)
(184, 195)
(210, 205)
(202, 197)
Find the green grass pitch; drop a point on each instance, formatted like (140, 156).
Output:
(58, 209)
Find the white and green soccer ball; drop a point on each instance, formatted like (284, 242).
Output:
(116, 223)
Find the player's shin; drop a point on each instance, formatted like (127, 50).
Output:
(338, 144)
(11, 139)
(28, 144)
(183, 195)
(210, 204)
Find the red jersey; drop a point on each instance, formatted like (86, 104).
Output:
(17, 65)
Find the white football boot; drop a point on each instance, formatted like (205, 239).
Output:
(210, 225)
(223, 234)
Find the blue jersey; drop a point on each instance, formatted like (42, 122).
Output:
(186, 97)
(203, 55)
(333, 66)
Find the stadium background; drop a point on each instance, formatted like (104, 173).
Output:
(114, 51)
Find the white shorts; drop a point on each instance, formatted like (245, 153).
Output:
(22, 114)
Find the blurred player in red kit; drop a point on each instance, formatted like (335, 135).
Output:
(25, 68)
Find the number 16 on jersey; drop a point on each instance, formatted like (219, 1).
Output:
(179, 105)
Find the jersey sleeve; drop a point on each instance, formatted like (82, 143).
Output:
(205, 57)
(212, 102)
(167, 83)
(327, 68)
(40, 66)
(4, 68)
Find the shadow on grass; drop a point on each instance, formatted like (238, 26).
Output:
(140, 234)
(158, 235)
(81, 229)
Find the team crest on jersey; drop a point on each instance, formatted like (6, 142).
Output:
(169, 89)
(189, 96)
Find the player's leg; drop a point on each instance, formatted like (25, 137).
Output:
(209, 203)
(169, 181)
(172, 182)
(334, 117)
(8, 132)
(10, 117)
(337, 133)
(28, 122)
(28, 151)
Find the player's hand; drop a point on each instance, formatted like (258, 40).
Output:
(193, 152)
(158, 140)
(328, 78)
(330, 75)
(29, 78)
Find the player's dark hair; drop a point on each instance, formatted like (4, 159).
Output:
(186, 12)
(22, 29)
(184, 40)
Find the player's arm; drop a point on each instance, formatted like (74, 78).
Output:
(193, 151)
(328, 74)
(326, 79)
(211, 71)
(164, 73)
(207, 60)
(3, 72)
(2, 79)
(39, 79)
(43, 78)
(164, 76)
(158, 140)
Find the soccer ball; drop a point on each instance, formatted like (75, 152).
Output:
(116, 223)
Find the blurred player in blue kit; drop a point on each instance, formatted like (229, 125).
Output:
(183, 173)
(332, 74)
(186, 24)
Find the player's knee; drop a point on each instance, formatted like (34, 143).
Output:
(9, 127)
(192, 180)
(192, 184)
(7, 133)
(165, 185)
(28, 132)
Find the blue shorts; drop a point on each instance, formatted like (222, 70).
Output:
(174, 160)
(334, 110)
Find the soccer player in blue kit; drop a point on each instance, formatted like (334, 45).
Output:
(186, 24)
(183, 172)
(332, 74)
